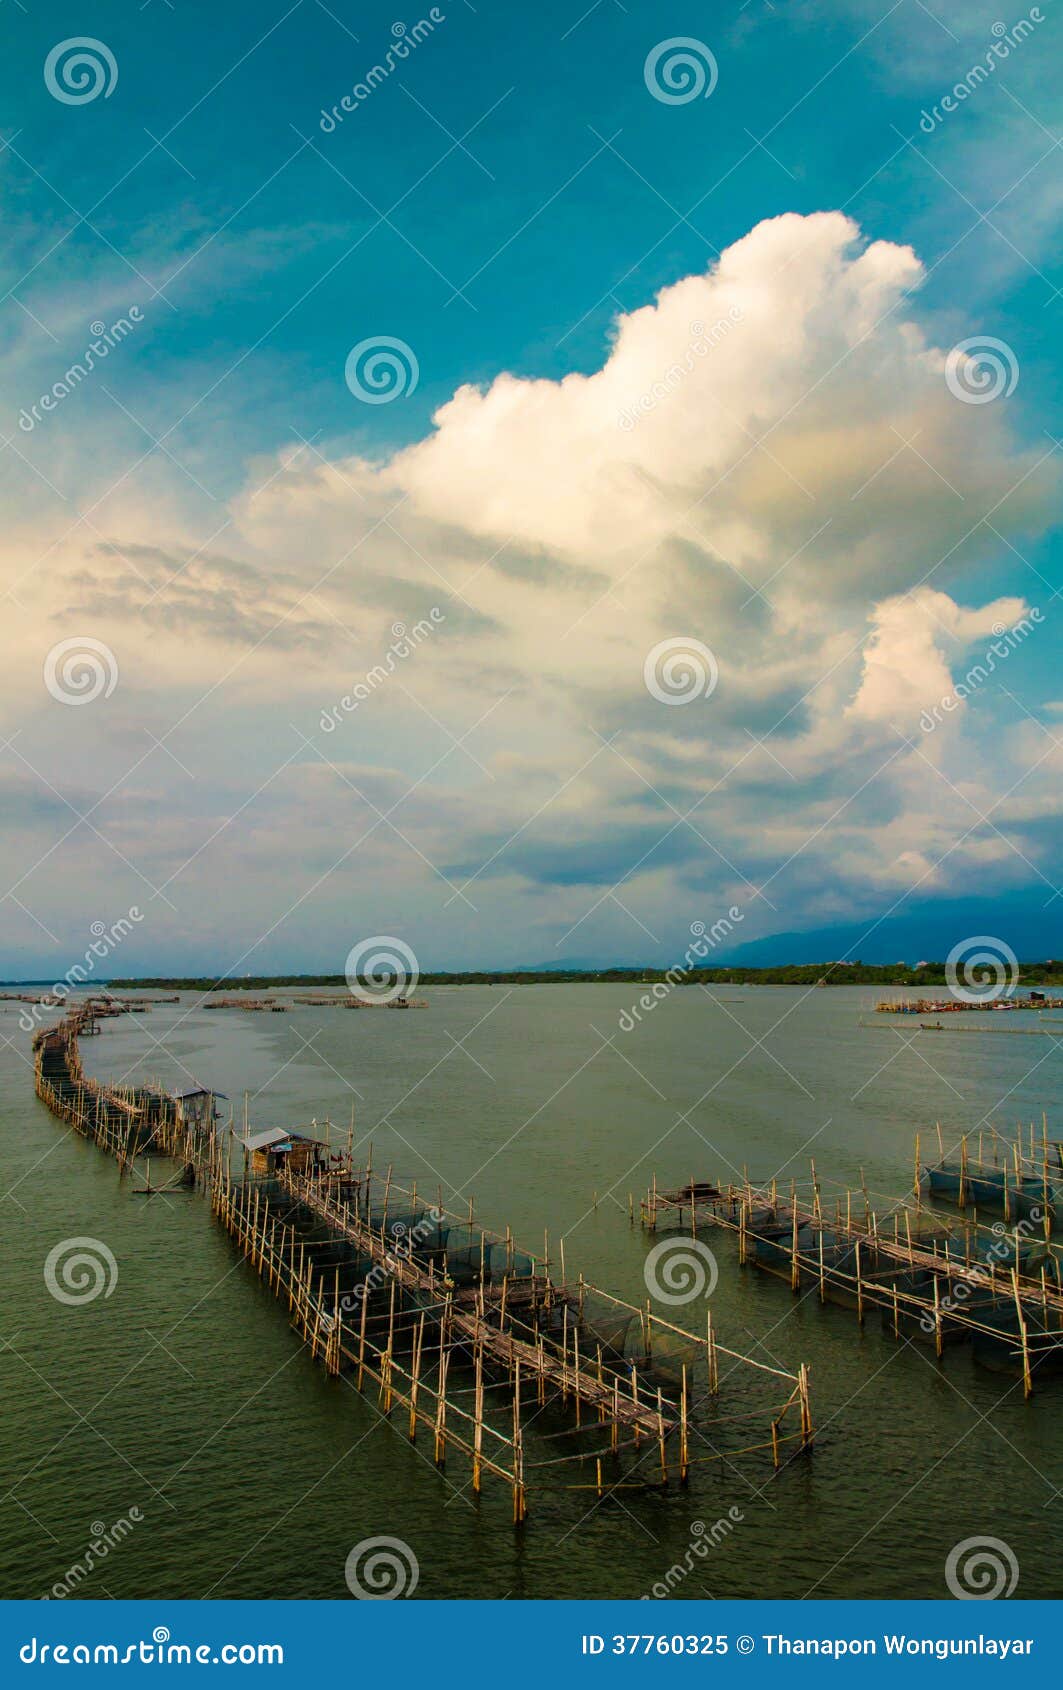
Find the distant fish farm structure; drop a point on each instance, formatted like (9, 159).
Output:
(926, 1277)
(103, 1004)
(349, 1002)
(467, 1340)
(964, 1006)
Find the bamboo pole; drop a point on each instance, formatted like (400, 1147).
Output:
(806, 1406)
(518, 1475)
(710, 1347)
(684, 1470)
(416, 1374)
(478, 1436)
(1027, 1376)
(795, 1266)
(440, 1454)
(361, 1332)
(576, 1366)
(391, 1347)
(635, 1399)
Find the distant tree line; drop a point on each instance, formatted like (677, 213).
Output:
(792, 974)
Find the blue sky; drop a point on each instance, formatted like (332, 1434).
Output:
(241, 532)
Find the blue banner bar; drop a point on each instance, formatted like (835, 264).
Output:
(527, 1645)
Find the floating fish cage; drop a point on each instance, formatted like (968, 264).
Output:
(1022, 1178)
(930, 1280)
(1027, 1197)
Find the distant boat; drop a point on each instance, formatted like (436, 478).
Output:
(931, 1026)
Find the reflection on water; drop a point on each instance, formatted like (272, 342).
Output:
(184, 1394)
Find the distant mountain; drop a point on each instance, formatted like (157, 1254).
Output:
(928, 932)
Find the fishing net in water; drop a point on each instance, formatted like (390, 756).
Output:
(672, 1358)
(602, 1325)
(465, 1253)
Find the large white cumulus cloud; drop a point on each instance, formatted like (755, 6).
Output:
(916, 636)
(798, 339)
(768, 450)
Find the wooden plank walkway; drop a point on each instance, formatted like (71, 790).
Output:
(570, 1376)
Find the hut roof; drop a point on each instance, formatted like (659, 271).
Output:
(269, 1137)
(265, 1137)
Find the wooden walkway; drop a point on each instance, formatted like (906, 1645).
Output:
(852, 1257)
(565, 1372)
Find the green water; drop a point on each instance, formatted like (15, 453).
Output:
(186, 1395)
